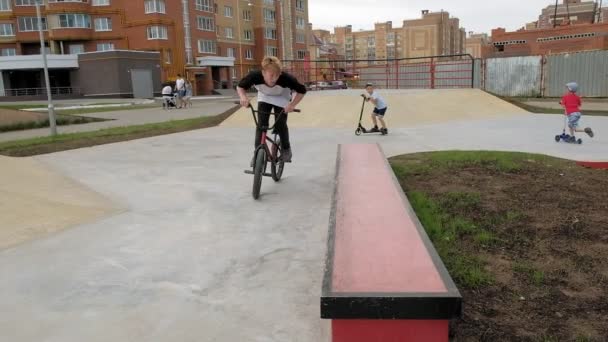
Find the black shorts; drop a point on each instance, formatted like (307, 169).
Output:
(380, 112)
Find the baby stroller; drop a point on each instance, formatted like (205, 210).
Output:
(170, 101)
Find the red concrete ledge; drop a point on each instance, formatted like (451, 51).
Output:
(383, 278)
(593, 165)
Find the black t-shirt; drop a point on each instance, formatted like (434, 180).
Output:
(280, 94)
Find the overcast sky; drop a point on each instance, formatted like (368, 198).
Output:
(475, 15)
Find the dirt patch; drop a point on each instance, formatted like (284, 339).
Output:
(11, 116)
(546, 251)
(16, 120)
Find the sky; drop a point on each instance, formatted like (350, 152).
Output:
(480, 16)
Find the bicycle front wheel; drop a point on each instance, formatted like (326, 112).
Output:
(258, 172)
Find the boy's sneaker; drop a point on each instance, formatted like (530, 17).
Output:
(286, 155)
(374, 130)
(589, 131)
(384, 131)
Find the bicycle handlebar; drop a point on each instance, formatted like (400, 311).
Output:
(250, 106)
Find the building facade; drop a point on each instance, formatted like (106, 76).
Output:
(212, 43)
(475, 44)
(435, 33)
(570, 11)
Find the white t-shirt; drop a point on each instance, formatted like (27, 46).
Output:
(179, 84)
(380, 103)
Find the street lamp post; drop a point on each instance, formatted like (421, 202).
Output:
(51, 108)
(240, 36)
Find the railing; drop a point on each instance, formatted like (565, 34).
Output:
(430, 72)
(40, 91)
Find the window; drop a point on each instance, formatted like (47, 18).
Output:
(248, 35)
(30, 24)
(300, 23)
(300, 5)
(270, 33)
(230, 52)
(268, 2)
(103, 24)
(105, 46)
(301, 54)
(68, 1)
(168, 56)
(269, 15)
(300, 38)
(74, 21)
(26, 2)
(248, 54)
(247, 15)
(205, 23)
(206, 46)
(8, 52)
(204, 5)
(229, 32)
(100, 3)
(6, 30)
(155, 6)
(272, 51)
(228, 11)
(5, 5)
(157, 32)
(76, 49)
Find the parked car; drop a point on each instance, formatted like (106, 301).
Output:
(338, 85)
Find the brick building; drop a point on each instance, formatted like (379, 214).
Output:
(435, 33)
(211, 42)
(570, 11)
(567, 38)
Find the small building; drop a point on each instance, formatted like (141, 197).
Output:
(113, 73)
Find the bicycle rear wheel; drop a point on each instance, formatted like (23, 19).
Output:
(276, 168)
(258, 172)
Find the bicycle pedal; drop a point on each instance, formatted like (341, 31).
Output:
(249, 172)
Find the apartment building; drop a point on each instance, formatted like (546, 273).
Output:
(435, 33)
(212, 43)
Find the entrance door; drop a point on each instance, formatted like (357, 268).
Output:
(141, 80)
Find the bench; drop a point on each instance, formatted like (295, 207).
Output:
(383, 278)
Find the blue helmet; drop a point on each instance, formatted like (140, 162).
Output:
(572, 86)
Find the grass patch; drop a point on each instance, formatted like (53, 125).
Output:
(62, 142)
(445, 231)
(423, 163)
(533, 275)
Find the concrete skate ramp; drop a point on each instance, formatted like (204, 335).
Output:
(341, 108)
(35, 201)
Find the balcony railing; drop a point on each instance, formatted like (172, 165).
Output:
(39, 91)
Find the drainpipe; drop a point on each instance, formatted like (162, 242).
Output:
(187, 36)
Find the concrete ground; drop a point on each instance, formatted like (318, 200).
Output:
(193, 257)
(121, 118)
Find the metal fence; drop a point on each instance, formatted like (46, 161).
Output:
(515, 76)
(588, 69)
(546, 76)
(40, 91)
(433, 72)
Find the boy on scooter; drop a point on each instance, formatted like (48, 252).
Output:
(380, 108)
(572, 103)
